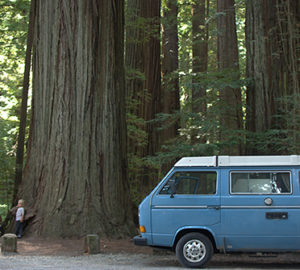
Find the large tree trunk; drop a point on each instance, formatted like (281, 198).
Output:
(228, 63)
(75, 178)
(272, 37)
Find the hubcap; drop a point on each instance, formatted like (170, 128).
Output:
(194, 251)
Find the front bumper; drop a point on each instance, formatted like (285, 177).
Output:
(140, 241)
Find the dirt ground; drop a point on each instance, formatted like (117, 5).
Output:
(73, 247)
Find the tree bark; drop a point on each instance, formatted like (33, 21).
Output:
(228, 63)
(75, 177)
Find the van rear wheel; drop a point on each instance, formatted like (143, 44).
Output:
(194, 250)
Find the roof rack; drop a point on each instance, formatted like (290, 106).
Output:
(225, 161)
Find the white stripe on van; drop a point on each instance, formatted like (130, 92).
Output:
(222, 207)
(179, 206)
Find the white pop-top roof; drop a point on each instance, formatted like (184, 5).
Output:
(223, 161)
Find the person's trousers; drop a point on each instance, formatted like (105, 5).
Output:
(19, 228)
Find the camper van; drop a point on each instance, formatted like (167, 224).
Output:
(224, 204)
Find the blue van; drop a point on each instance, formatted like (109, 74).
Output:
(224, 204)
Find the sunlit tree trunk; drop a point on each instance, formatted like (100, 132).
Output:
(23, 116)
(75, 179)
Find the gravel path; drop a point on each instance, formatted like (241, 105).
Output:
(143, 261)
(86, 262)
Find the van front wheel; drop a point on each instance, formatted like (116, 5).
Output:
(194, 250)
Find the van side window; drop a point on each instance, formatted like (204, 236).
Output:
(191, 183)
(260, 182)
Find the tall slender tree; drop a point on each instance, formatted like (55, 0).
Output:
(200, 12)
(75, 179)
(228, 64)
(151, 106)
(23, 114)
(170, 89)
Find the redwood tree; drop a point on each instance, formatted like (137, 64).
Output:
(75, 179)
(228, 64)
(170, 88)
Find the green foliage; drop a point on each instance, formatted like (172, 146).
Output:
(284, 136)
(3, 210)
(136, 134)
(13, 28)
(147, 27)
(7, 158)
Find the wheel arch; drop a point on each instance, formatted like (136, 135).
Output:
(204, 231)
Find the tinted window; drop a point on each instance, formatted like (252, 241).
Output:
(191, 183)
(260, 182)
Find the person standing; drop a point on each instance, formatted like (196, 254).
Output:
(20, 218)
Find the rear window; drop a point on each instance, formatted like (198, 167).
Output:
(191, 183)
(260, 182)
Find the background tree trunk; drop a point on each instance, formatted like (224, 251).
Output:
(228, 64)
(200, 62)
(272, 37)
(143, 61)
(260, 99)
(151, 105)
(75, 178)
(170, 89)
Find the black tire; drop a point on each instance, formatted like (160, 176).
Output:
(194, 250)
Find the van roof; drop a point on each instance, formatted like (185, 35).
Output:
(224, 161)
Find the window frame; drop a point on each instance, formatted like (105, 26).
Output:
(190, 171)
(261, 171)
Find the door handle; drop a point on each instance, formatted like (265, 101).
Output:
(277, 215)
(217, 207)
